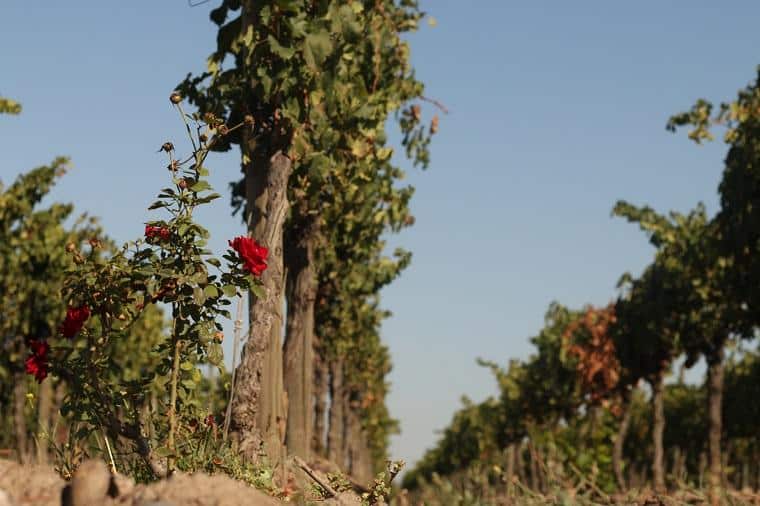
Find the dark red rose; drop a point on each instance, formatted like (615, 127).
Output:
(253, 254)
(210, 421)
(162, 233)
(75, 318)
(37, 364)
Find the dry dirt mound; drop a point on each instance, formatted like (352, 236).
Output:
(93, 485)
(24, 485)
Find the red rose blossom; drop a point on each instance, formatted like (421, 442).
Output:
(152, 232)
(75, 318)
(253, 254)
(37, 364)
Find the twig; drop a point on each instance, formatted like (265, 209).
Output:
(305, 467)
(590, 483)
(436, 103)
(110, 454)
(187, 126)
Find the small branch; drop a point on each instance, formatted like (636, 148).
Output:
(436, 103)
(173, 404)
(313, 475)
(187, 125)
(110, 453)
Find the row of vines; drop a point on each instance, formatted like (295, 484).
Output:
(107, 348)
(591, 406)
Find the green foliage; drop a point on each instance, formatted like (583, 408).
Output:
(738, 219)
(682, 301)
(172, 267)
(32, 266)
(8, 106)
(319, 82)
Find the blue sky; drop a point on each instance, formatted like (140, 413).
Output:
(557, 110)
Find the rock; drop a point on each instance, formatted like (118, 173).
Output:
(5, 499)
(28, 484)
(89, 486)
(121, 486)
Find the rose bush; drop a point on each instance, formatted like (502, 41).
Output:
(108, 296)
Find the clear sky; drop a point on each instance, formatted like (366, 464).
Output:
(557, 110)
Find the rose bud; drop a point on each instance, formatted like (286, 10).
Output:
(175, 98)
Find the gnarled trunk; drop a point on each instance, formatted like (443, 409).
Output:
(259, 409)
(299, 339)
(714, 409)
(658, 429)
(617, 449)
(336, 432)
(359, 459)
(320, 405)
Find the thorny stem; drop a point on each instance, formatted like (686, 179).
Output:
(173, 403)
(187, 125)
(235, 344)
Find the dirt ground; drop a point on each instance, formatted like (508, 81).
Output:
(93, 485)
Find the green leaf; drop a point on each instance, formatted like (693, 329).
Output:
(157, 204)
(283, 52)
(198, 295)
(316, 48)
(258, 290)
(229, 290)
(211, 291)
(207, 198)
(200, 186)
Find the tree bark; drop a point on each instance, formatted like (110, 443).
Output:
(359, 461)
(658, 429)
(520, 463)
(715, 401)
(335, 434)
(258, 411)
(299, 340)
(510, 467)
(534, 480)
(320, 404)
(617, 449)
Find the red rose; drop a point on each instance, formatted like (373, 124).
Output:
(210, 421)
(253, 254)
(37, 364)
(75, 318)
(152, 232)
